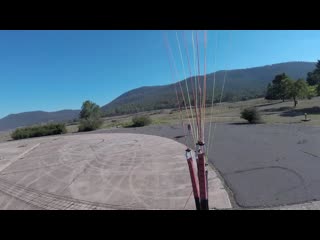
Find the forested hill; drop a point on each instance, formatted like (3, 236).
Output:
(13, 121)
(241, 84)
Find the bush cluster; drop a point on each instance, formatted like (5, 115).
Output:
(251, 115)
(140, 121)
(39, 131)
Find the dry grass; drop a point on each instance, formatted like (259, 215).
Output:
(272, 112)
(72, 128)
(5, 136)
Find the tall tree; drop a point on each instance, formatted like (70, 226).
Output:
(279, 87)
(278, 78)
(297, 89)
(318, 66)
(313, 78)
(284, 88)
(270, 92)
(312, 92)
(90, 116)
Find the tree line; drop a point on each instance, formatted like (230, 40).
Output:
(284, 88)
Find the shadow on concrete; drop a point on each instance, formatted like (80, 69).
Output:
(178, 137)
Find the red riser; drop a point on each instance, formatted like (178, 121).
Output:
(202, 177)
(194, 182)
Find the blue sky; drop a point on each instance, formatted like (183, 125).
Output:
(54, 70)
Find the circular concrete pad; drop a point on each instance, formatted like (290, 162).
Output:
(97, 171)
(264, 165)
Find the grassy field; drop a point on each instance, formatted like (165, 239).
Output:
(272, 112)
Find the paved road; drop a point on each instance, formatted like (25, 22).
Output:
(263, 165)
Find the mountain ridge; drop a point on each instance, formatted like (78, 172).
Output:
(241, 84)
(16, 120)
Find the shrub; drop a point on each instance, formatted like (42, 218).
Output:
(251, 115)
(89, 124)
(140, 121)
(39, 131)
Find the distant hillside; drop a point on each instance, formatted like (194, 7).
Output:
(13, 121)
(241, 84)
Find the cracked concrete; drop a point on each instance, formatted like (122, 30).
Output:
(262, 165)
(100, 171)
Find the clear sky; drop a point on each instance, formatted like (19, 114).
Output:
(55, 70)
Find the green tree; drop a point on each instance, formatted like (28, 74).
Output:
(318, 89)
(279, 88)
(89, 109)
(270, 94)
(278, 78)
(90, 116)
(284, 88)
(313, 78)
(312, 92)
(297, 89)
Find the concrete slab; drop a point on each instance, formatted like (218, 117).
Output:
(264, 165)
(100, 171)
